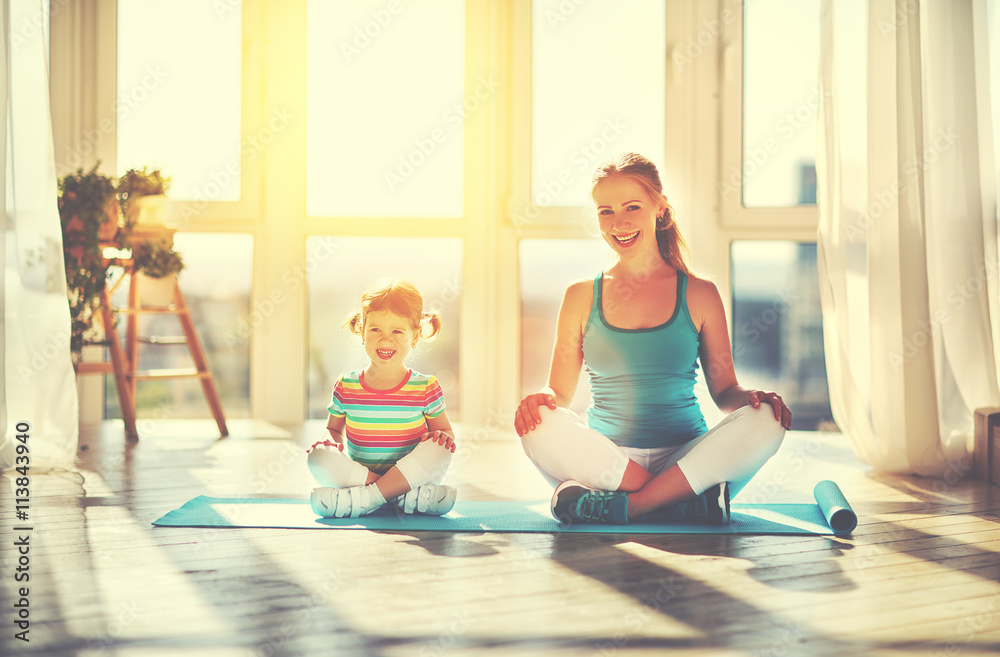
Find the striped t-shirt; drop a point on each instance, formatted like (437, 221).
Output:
(383, 426)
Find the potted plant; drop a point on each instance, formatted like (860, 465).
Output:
(156, 266)
(89, 217)
(142, 195)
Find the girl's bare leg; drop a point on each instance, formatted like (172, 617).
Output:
(391, 484)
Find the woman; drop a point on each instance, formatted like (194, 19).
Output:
(640, 327)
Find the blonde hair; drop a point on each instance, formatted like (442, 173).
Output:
(401, 298)
(671, 243)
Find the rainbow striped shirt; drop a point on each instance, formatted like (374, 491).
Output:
(383, 426)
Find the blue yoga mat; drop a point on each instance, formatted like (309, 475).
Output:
(509, 516)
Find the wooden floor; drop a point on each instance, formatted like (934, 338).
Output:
(918, 577)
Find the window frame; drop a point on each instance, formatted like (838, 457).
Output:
(529, 219)
(521, 213)
(734, 213)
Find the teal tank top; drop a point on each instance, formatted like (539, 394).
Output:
(642, 380)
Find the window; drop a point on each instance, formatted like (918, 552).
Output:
(386, 108)
(556, 262)
(597, 89)
(777, 327)
(780, 98)
(178, 109)
(770, 98)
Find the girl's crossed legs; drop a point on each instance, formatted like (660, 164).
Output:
(425, 464)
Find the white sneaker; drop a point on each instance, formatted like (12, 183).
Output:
(343, 502)
(429, 499)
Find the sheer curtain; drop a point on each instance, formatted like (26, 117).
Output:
(908, 227)
(39, 386)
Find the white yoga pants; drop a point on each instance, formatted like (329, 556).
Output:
(563, 447)
(426, 464)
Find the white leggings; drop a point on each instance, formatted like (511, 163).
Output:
(426, 464)
(562, 447)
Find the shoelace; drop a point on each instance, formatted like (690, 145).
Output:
(593, 505)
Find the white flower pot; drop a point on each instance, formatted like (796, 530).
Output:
(149, 211)
(156, 292)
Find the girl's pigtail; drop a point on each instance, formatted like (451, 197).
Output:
(353, 323)
(430, 325)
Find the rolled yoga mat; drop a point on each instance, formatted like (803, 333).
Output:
(838, 513)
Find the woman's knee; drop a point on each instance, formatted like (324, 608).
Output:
(554, 423)
(563, 447)
(542, 444)
(762, 427)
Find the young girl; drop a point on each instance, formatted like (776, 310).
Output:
(399, 440)
(641, 327)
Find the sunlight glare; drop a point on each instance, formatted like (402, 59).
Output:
(597, 90)
(386, 106)
(178, 108)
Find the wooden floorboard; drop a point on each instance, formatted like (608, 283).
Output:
(920, 575)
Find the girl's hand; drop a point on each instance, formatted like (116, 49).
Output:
(782, 413)
(527, 417)
(336, 439)
(441, 438)
(327, 443)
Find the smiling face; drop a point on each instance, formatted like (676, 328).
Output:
(627, 215)
(388, 337)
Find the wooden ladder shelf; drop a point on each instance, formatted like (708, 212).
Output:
(124, 361)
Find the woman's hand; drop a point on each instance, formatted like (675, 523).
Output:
(527, 417)
(781, 412)
(442, 438)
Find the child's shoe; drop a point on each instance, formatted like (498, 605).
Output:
(429, 499)
(344, 502)
(573, 502)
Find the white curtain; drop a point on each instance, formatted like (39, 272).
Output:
(908, 227)
(39, 386)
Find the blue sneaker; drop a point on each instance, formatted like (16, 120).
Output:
(717, 504)
(573, 502)
(711, 507)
